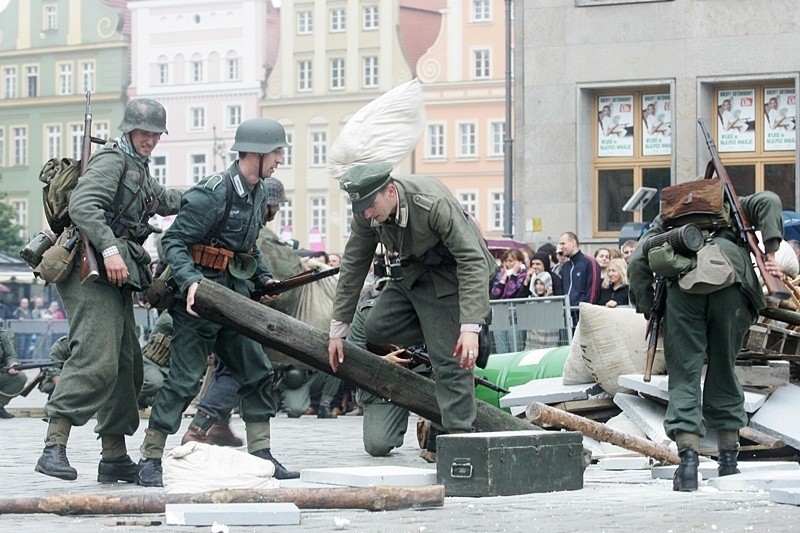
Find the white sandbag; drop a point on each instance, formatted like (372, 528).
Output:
(197, 467)
(575, 370)
(386, 129)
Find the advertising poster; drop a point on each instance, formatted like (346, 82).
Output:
(780, 119)
(736, 117)
(615, 126)
(656, 124)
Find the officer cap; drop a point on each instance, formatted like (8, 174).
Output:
(144, 114)
(362, 182)
(276, 194)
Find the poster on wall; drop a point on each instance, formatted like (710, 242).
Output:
(656, 124)
(780, 119)
(615, 126)
(736, 117)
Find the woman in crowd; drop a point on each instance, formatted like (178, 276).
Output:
(510, 280)
(614, 291)
(542, 285)
(602, 256)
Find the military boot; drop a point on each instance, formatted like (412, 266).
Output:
(280, 471)
(685, 479)
(149, 473)
(221, 435)
(118, 469)
(54, 462)
(198, 429)
(728, 444)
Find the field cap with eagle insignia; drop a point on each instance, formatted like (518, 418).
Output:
(362, 182)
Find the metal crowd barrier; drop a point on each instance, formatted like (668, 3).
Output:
(530, 323)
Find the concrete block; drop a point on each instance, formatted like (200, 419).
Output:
(625, 463)
(777, 416)
(549, 390)
(232, 514)
(788, 496)
(647, 415)
(758, 481)
(659, 388)
(370, 476)
(708, 468)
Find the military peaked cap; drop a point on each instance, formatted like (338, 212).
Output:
(362, 182)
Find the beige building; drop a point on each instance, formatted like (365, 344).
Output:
(611, 92)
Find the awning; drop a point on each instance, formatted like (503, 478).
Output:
(16, 276)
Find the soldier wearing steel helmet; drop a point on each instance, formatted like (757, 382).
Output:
(220, 217)
(104, 372)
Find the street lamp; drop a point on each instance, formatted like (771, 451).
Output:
(219, 149)
(508, 151)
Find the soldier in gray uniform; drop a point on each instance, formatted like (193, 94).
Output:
(217, 227)
(440, 298)
(12, 382)
(156, 359)
(104, 371)
(59, 352)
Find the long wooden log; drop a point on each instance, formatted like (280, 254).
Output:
(362, 368)
(539, 414)
(759, 437)
(784, 315)
(371, 499)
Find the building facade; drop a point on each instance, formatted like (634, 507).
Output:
(51, 53)
(611, 93)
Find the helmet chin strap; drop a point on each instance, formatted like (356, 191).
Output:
(261, 166)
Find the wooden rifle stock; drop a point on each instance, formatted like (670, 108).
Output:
(89, 269)
(293, 282)
(654, 325)
(35, 381)
(741, 222)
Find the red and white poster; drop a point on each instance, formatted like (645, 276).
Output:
(780, 119)
(736, 117)
(615, 126)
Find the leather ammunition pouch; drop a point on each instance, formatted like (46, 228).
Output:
(211, 256)
(700, 202)
(157, 349)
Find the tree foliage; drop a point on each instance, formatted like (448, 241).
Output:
(11, 241)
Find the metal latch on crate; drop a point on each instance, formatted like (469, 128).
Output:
(461, 469)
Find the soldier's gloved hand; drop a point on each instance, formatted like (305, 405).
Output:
(269, 299)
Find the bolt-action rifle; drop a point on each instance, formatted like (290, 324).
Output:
(741, 224)
(293, 282)
(89, 270)
(654, 324)
(27, 366)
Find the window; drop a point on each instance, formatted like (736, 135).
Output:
(305, 22)
(286, 216)
(198, 167)
(76, 140)
(371, 18)
(232, 69)
(304, 75)
(2, 147)
(319, 212)
(337, 20)
(53, 142)
(482, 70)
(288, 152)
(10, 82)
(496, 211)
(370, 71)
(163, 73)
(20, 214)
(101, 130)
(32, 76)
(319, 149)
(50, 19)
(497, 131)
(87, 72)
(198, 118)
(629, 153)
(469, 202)
(348, 215)
(337, 73)
(196, 71)
(435, 148)
(233, 115)
(481, 11)
(466, 140)
(20, 136)
(65, 79)
(159, 169)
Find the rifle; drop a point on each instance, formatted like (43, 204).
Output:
(741, 224)
(89, 270)
(293, 282)
(28, 366)
(418, 355)
(35, 381)
(654, 324)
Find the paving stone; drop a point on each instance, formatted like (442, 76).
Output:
(789, 496)
(647, 415)
(659, 388)
(759, 480)
(548, 390)
(370, 476)
(772, 418)
(232, 514)
(708, 468)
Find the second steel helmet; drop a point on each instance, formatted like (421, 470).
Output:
(144, 114)
(259, 136)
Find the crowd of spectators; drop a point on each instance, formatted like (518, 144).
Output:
(32, 345)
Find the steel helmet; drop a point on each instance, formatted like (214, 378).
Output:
(259, 136)
(276, 195)
(144, 114)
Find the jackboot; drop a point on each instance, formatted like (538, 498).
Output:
(727, 460)
(149, 473)
(195, 434)
(221, 435)
(280, 471)
(54, 463)
(685, 479)
(118, 469)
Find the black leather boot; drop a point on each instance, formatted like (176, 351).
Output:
(727, 461)
(324, 411)
(280, 470)
(685, 479)
(149, 473)
(54, 462)
(117, 469)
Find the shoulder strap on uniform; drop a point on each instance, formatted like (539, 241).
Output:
(217, 229)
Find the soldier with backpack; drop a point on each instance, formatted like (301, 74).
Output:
(110, 206)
